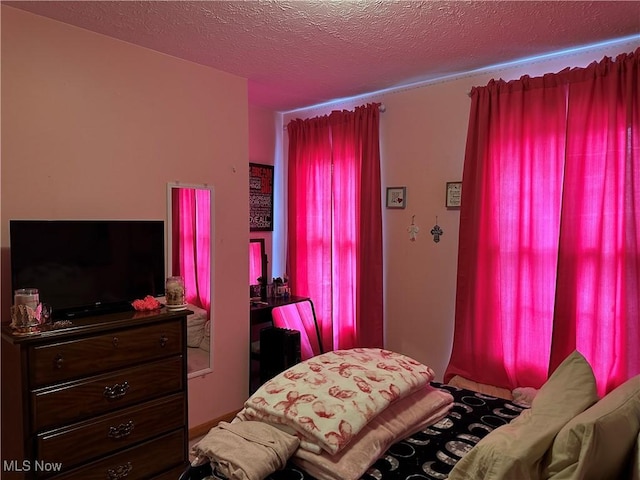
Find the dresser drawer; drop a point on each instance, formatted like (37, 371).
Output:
(144, 462)
(86, 398)
(82, 442)
(172, 474)
(62, 361)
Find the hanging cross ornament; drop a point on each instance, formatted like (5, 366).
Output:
(413, 229)
(436, 231)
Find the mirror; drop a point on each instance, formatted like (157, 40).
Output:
(190, 255)
(257, 265)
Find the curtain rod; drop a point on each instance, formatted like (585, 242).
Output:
(381, 108)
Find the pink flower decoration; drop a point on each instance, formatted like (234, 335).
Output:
(147, 303)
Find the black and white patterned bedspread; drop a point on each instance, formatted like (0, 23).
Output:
(432, 453)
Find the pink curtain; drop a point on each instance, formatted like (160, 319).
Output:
(335, 224)
(598, 290)
(255, 262)
(191, 247)
(548, 253)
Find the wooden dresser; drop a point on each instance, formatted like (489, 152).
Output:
(105, 398)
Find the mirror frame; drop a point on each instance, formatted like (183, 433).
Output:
(169, 261)
(263, 257)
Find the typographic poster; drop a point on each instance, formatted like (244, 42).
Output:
(260, 197)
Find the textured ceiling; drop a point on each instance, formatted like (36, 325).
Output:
(300, 53)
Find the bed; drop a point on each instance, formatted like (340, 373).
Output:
(432, 452)
(422, 427)
(565, 432)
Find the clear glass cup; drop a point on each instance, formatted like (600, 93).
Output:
(45, 314)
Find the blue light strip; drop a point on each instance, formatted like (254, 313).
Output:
(498, 66)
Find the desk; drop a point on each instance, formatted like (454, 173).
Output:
(260, 317)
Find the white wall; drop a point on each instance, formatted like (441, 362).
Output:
(93, 127)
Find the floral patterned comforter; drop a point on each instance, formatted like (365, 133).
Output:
(328, 399)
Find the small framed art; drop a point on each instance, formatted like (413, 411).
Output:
(454, 195)
(396, 197)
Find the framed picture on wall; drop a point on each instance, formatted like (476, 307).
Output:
(260, 197)
(396, 197)
(453, 198)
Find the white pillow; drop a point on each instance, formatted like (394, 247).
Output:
(206, 339)
(196, 324)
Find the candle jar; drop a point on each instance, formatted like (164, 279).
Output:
(25, 314)
(29, 297)
(174, 292)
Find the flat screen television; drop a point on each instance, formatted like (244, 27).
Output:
(88, 267)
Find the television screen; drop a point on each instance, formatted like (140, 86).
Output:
(88, 267)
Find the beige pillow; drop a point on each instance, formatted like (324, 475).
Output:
(515, 451)
(599, 443)
(635, 464)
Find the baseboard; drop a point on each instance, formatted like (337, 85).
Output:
(203, 428)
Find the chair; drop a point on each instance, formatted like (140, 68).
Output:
(278, 349)
(300, 316)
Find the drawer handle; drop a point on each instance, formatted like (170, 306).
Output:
(121, 471)
(59, 360)
(163, 341)
(115, 342)
(121, 431)
(116, 391)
